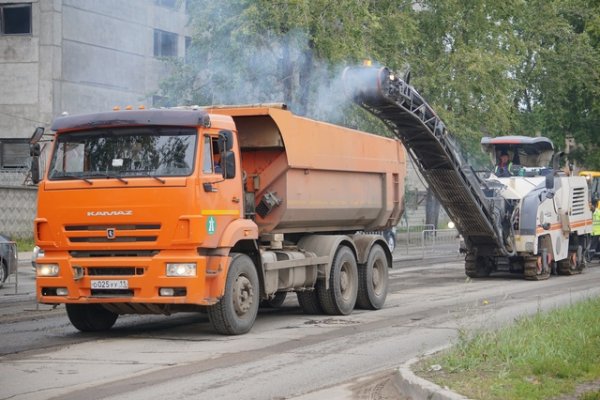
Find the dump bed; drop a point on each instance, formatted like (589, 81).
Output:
(307, 176)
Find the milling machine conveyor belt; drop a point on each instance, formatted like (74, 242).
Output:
(432, 148)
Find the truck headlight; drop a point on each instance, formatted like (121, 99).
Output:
(181, 269)
(47, 269)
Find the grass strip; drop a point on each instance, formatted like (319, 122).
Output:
(538, 357)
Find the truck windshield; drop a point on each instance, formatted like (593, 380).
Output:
(124, 152)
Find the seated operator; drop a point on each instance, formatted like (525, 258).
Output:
(503, 168)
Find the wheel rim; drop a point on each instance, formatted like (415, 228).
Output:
(243, 295)
(378, 277)
(346, 281)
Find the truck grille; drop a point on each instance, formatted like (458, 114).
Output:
(112, 253)
(114, 271)
(100, 239)
(123, 233)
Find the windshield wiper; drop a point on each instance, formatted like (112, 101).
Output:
(67, 176)
(158, 178)
(150, 175)
(108, 175)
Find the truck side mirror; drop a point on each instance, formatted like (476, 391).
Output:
(228, 161)
(34, 151)
(225, 144)
(37, 135)
(225, 141)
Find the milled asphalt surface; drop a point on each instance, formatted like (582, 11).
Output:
(21, 288)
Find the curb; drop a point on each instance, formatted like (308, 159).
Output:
(416, 387)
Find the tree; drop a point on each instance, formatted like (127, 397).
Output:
(488, 68)
(559, 72)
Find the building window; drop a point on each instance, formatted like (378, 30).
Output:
(165, 44)
(15, 19)
(14, 153)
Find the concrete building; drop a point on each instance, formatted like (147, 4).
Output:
(74, 56)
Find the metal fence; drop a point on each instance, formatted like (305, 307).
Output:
(17, 211)
(440, 242)
(13, 177)
(420, 241)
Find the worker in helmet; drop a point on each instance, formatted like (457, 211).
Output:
(503, 167)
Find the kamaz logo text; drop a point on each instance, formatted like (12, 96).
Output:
(109, 213)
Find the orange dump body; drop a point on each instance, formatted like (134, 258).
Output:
(325, 177)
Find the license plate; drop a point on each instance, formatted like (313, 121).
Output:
(109, 284)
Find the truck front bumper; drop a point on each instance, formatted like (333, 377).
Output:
(131, 279)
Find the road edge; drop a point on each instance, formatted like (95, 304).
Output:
(416, 387)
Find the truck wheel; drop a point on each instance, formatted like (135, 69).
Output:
(309, 302)
(236, 312)
(373, 280)
(91, 317)
(477, 267)
(573, 264)
(274, 302)
(340, 298)
(535, 269)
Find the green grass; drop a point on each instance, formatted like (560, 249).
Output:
(25, 244)
(539, 357)
(595, 395)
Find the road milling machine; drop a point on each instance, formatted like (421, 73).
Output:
(534, 219)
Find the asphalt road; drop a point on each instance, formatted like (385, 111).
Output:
(287, 354)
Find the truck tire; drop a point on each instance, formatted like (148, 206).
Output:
(373, 280)
(236, 311)
(309, 302)
(91, 317)
(477, 267)
(340, 297)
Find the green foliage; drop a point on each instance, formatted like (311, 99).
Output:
(538, 357)
(488, 68)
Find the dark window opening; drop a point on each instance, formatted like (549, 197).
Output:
(15, 19)
(165, 44)
(14, 154)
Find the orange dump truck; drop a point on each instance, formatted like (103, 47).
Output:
(213, 210)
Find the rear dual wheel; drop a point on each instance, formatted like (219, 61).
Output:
(340, 297)
(373, 280)
(350, 286)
